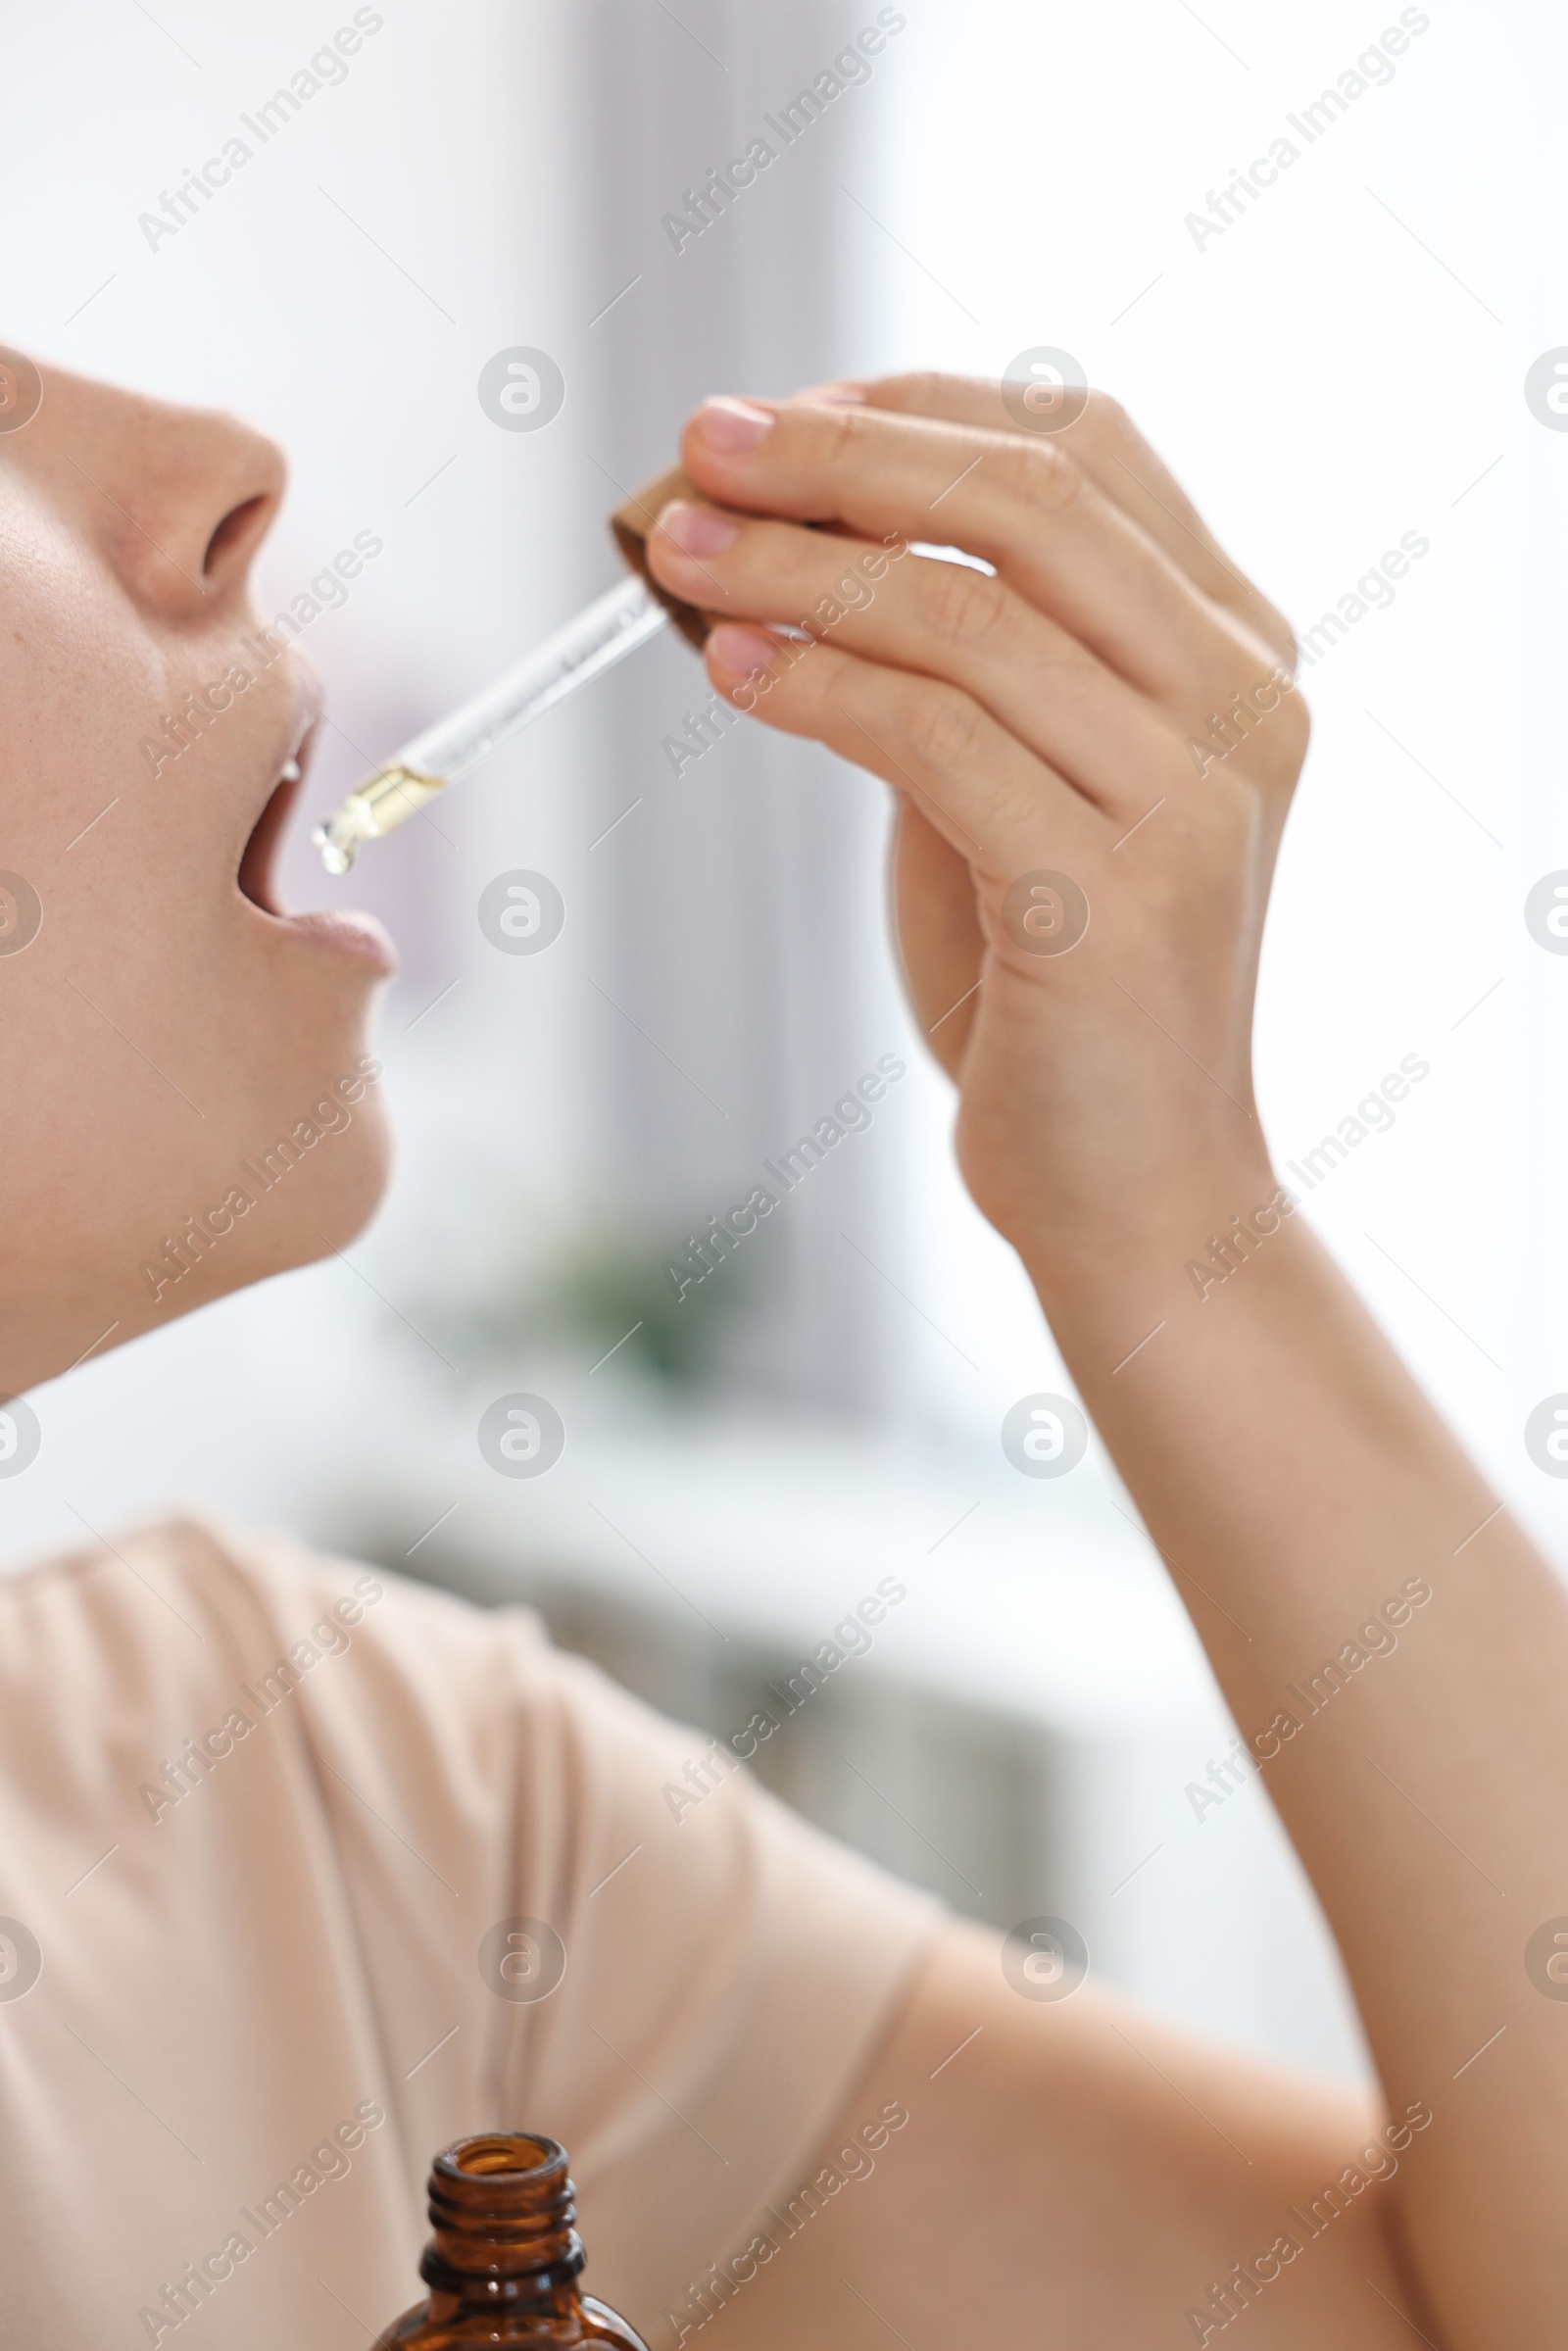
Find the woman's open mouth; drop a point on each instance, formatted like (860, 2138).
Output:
(260, 853)
(354, 934)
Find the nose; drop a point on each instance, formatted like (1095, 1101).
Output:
(175, 500)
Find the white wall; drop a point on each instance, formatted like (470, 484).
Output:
(1323, 377)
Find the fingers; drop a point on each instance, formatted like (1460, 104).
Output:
(1025, 505)
(986, 795)
(1108, 445)
(947, 621)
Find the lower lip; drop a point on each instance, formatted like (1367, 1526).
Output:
(354, 938)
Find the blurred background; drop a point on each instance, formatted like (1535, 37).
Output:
(1340, 366)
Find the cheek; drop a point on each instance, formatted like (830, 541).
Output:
(79, 684)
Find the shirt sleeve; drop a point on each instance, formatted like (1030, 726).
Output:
(637, 1950)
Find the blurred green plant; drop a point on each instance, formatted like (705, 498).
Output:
(601, 1285)
(598, 1281)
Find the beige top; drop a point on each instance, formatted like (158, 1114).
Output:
(305, 1871)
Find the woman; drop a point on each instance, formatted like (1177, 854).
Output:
(306, 1871)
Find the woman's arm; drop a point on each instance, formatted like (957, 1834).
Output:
(1094, 752)
(1016, 2173)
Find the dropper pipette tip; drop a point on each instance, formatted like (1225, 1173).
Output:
(336, 843)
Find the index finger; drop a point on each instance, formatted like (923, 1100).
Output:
(1119, 461)
(1018, 500)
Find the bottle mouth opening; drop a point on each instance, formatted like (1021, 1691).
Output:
(503, 2153)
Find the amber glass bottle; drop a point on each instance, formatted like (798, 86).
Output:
(504, 2263)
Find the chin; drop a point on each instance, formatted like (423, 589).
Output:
(282, 1190)
(300, 1212)
(360, 1180)
(345, 1182)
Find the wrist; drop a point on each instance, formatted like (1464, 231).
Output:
(1182, 1233)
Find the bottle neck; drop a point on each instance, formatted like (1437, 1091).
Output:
(503, 2211)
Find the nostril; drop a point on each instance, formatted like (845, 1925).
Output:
(242, 525)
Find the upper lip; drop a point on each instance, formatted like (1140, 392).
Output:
(258, 854)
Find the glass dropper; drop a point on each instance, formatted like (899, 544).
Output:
(604, 633)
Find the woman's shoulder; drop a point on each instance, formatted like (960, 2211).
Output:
(190, 1604)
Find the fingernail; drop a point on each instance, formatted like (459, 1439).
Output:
(698, 529)
(741, 652)
(835, 395)
(733, 424)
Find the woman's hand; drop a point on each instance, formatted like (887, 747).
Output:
(1094, 751)
(1061, 720)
